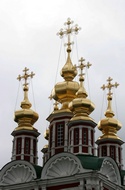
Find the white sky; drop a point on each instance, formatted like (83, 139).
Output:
(28, 38)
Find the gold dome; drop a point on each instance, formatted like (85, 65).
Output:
(109, 128)
(68, 71)
(109, 125)
(25, 117)
(81, 106)
(64, 92)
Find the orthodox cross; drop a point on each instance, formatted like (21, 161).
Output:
(68, 31)
(25, 76)
(109, 86)
(83, 65)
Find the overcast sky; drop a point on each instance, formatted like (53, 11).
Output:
(28, 38)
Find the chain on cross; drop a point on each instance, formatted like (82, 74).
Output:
(109, 86)
(68, 31)
(25, 76)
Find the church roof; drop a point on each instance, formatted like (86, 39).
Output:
(90, 161)
(38, 170)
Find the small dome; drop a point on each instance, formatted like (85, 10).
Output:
(109, 125)
(81, 106)
(25, 117)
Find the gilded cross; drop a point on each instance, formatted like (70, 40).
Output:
(25, 76)
(83, 65)
(110, 85)
(68, 31)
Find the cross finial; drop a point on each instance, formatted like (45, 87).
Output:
(25, 76)
(83, 65)
(109, 86)
(68, 31)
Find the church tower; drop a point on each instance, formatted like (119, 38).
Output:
(109, 144)
(63, 93)
(25, 135)
(81, 125)
(71, 128)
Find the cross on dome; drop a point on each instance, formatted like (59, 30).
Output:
(83, 65)
(109, 86)
(25, 76)
(25, 103)
(68, 31)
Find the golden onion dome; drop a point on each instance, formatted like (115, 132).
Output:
(109, 128)
(65, 91)
(68, 71)
(81, 106)
(25, 117)
(109, 125)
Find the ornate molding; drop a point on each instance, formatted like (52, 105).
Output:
(64, 166)
(17, 173)
(110, 170)
(60, 165)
